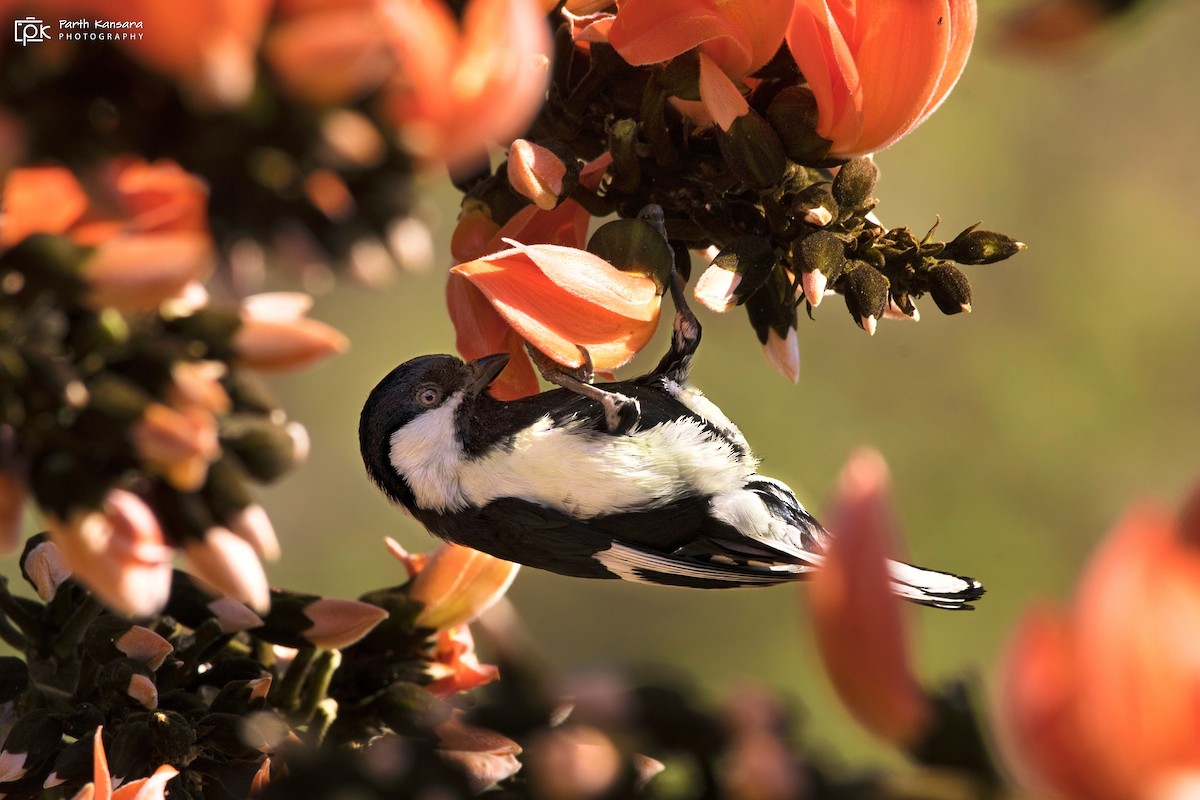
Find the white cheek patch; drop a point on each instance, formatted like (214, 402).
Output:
(428, 454)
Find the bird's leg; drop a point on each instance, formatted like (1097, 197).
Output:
(621, 412)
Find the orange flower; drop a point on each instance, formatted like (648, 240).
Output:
(857, 617)
(557, 299)
(455, 667)
(457, 584)
(119, 553)
(458, 89)
(1099, 701)
(147, 223)
(210, 47)
(330, 51)
(736, 37)
(101, 785)
(878, 69)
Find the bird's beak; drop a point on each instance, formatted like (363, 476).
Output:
(482, 371)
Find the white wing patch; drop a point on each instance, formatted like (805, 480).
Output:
(625, 562)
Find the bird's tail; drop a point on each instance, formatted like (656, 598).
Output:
(929, 587)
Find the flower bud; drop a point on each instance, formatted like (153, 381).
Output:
(854, 183)
(31, 742)
(634, 246)
(178, 444)
(949, 288)
(772, 314)
(752, 151)
(736, 273)
(44, 566)
(122, 680)
(230, 565)
(304, 620)
(820, 260)
(815, 205)
(622, 143)
(110, 637)
(981, 247)
(458, 584)
(194, 607)
(266, 450)
(857, 619)
(866, 291)
(793, 115)
(120, 553)
(275, 335)
(543, 173)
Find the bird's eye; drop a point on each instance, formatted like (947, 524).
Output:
(429, 396)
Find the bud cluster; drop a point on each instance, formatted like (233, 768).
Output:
(299, 180)
(225, 699)
(137, 432)
(757, 187)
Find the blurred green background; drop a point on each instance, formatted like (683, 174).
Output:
(1015, 435)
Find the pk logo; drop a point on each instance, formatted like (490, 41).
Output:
(29, 30)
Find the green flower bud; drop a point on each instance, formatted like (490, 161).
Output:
(981, 247)
(815, 205)
(752, 151)
(819, 260)
(949, 288)
(635, 246)
(793, 115)
(736, 273)
(866, 292)
(626, 168)
(265, 449)
(772, 314)
(854, 183)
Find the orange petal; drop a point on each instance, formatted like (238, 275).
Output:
(138, 273)
(162, 196)
(331, 55)
(739, 36)
(481, 331)
(1037, 707)
(100, 777)
(151, 788)
(458, 584)
(458, 93)
(857, 619)
(720, 97)
(609, 312)
(39, 200)
(1138, 608)
(536, 173)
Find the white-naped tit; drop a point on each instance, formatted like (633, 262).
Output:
(644, 479)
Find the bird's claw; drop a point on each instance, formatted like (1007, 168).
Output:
(621, 413)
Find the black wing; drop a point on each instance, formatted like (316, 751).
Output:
(678, 544)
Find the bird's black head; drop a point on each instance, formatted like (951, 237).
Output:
(415, 388)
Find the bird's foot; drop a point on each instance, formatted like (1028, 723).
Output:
(686, 331)
(621, 412)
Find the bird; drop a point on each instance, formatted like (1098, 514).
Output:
(645, 480)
